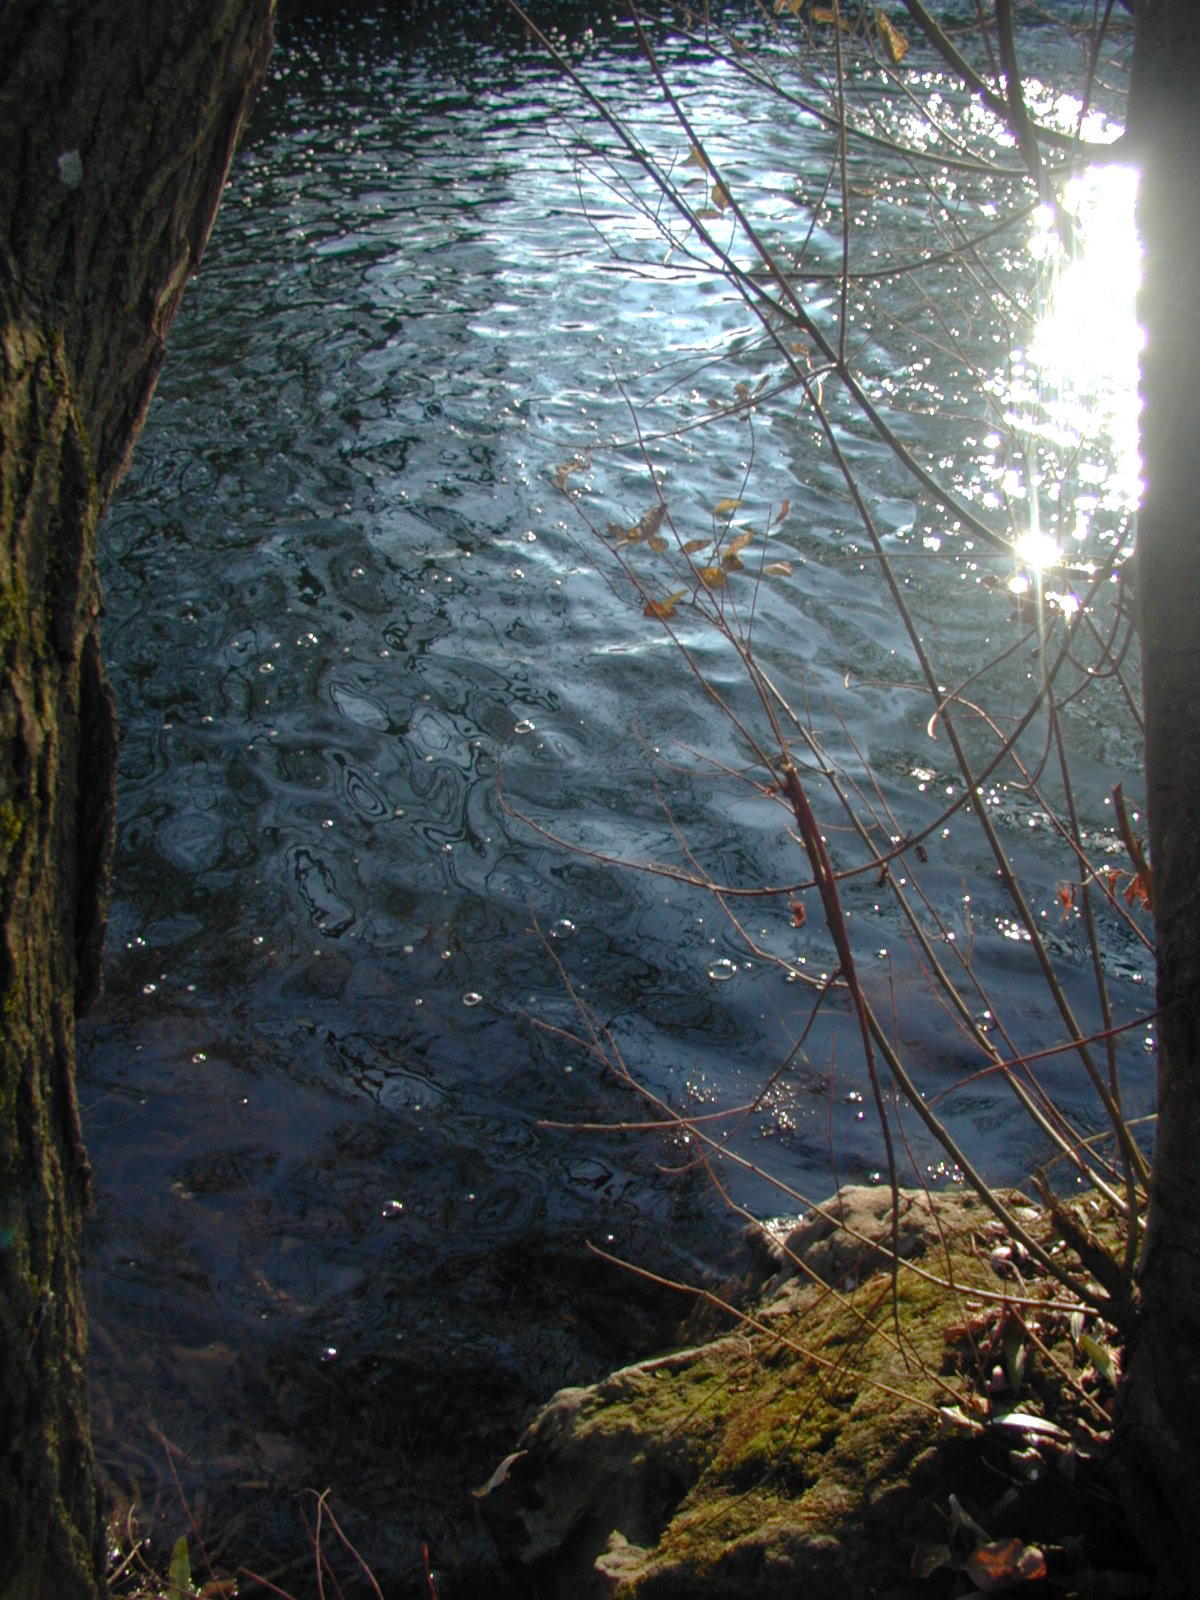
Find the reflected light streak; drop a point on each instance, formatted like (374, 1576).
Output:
(1086, 345)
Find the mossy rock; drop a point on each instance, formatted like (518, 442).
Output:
(805, 1453)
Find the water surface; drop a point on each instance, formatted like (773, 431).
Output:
(359, 636)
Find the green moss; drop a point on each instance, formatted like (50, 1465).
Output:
(793, 1450)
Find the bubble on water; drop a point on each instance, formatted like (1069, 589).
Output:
(329, 1352)
(524, 726)
(149, 988)
(721, 971)
(199, 1056)
(471, 998)
(562, 929)
(391, 1209)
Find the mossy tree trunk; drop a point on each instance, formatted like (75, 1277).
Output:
(1158, 1433)
(119, 122)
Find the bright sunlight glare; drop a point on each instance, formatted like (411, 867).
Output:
(1086, 344)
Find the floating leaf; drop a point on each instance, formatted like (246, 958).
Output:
(720, 196)
(648, 525)
(657, 543)
(732, 562)
(799, 914)
(725, 508)
(565, 469)
(1003, 1564)
(618, 530)
(664, 610)
(179, 1573)
(788, 7)
(735, 546)
(781, 513)
(712, 577)
(696, 544)
(778, 569)
(695, 158)
(742, 390)
(892, 40)
(828, 14)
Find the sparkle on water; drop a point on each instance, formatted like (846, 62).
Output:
(1077, 383)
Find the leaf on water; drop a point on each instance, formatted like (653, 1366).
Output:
(695, 158)
(657, 543)
(1003, 1564)
(742, 390)
(731, 562)
(664, 610)
(781, 513)
(799, 914)
(828, 14)
(564, 470)
(789, 8)
(720, 196)
(618, 530)
(778, 569)
(712, 577)
(179, 1573)
(649, 524)
(892, 40)
(696, 544)
(736, 545)
(725, 508)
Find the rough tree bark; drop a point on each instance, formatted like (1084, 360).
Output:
(118, 124)
(1158, 1434)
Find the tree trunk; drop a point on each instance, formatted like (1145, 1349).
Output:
(1158, 1435)
(119, 122)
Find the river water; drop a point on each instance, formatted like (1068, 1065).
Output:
(362, 640)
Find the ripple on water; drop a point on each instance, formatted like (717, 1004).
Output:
(372, 382)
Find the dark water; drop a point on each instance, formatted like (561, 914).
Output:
(354, 627)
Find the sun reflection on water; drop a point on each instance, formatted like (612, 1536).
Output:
(1072, 394)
